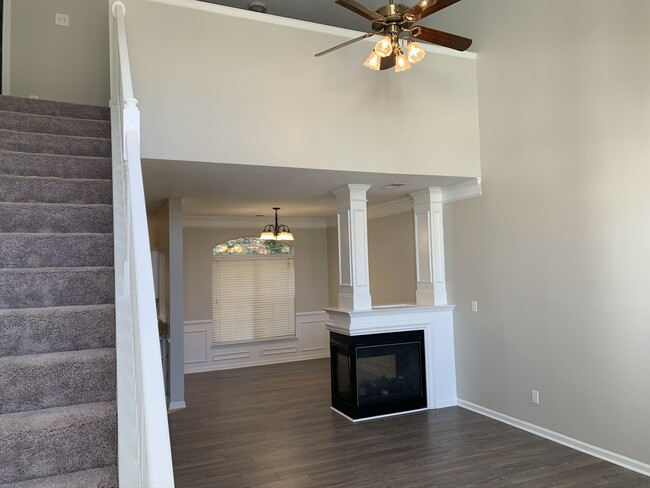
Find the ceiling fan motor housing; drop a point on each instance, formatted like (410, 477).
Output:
(395, 22)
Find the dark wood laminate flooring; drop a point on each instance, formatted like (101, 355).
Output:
(271, 427)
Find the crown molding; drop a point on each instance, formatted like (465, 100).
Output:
(401, 205)
(226, 222)
(447, 194)
(462, 191)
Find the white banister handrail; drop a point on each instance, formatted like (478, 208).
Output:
(144, 451)
(119, 11)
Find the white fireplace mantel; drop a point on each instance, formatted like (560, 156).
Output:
(437, 324)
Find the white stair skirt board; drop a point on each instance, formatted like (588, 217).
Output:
(598, 452)
(366, 419)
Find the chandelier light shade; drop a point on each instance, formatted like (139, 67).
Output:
(415, 52)
(384, 47)
(276, 232)
(401, 63)
(373, 61)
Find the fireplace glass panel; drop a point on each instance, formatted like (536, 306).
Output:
(343, 384)
(388, 373)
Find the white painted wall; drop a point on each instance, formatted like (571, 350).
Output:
(68, 64)
(557, 250)
(219, 85)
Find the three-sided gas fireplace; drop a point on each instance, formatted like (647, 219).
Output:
(378, 374)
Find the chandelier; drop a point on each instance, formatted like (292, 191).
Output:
(276, 232)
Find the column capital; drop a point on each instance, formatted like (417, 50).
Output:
(433, 194)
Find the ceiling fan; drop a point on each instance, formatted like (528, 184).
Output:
(395, 23)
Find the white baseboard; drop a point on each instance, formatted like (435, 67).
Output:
(176, 406)
(446, 403)
(249, 364)
(612, 457)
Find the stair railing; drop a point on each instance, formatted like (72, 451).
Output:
(144, 451)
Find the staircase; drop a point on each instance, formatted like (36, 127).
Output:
(58, 424)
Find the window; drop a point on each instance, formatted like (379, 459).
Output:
(253, 290)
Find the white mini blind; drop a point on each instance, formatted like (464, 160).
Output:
(252, 298)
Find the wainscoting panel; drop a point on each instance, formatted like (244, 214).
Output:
(311, 342)
(314, 337)
(195, 346)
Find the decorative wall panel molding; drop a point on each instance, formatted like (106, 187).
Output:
(311, 342)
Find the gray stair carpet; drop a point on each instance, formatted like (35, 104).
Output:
(58, 420)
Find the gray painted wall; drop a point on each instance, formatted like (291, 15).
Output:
(68, 64)
(391, 260)
(557, 251)
(310, 255)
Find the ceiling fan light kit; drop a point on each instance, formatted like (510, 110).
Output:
(394, 22)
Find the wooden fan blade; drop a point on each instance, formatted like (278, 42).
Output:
(362, 10)
(387, 62)
(346, 43)
(441, 38)
(425, 8)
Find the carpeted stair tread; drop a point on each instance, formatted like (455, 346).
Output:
(48, 124)
(55, 217)
(58, 379)
(34, 142)
(58, 420)
(46, 250)
(58, 165)
(60, 109)
(90, 478)
(56, 329)
(54, 287)
(58, 440)
(39, 189)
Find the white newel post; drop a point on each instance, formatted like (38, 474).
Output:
(352, 217)
(429, 248)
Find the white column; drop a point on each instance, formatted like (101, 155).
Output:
(352, 217)
(429, 248)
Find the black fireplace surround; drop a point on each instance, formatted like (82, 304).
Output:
(378, 374)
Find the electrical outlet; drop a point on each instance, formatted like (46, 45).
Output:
(474, 306)
(534, 397)
(62, 19)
